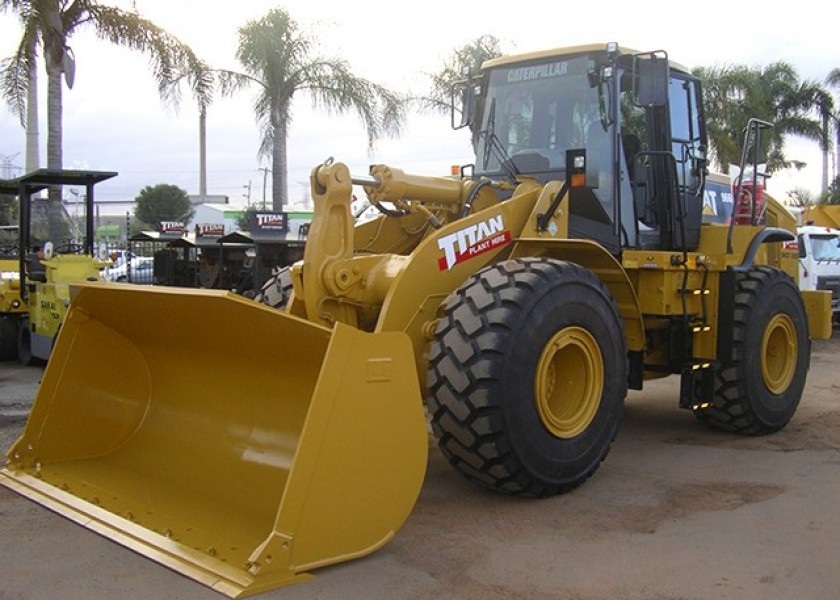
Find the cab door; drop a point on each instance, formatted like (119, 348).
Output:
(688, 145)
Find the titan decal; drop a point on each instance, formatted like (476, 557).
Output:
(471, 241)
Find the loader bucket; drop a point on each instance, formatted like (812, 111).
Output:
(237, 445)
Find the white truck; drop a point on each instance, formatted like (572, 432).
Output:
(819, 262)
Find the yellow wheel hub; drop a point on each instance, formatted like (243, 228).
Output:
(779, 352)
(569, 382)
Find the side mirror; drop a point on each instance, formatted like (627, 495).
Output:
(650, 78)
(463, 103)
(49, 250)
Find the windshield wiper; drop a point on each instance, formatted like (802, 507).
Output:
(493, 145)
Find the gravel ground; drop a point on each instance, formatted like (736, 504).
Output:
(677, 512)
(18, 385)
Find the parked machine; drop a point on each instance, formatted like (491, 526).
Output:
(12, 308)
(827, 215)
(819, 262)
(521, 300)
(36, 295)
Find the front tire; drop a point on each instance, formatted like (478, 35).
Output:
(517, 382)
(277, 290)
(762, 375)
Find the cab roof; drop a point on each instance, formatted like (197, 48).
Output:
(565, 51)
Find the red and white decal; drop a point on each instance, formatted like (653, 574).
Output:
(471, 241)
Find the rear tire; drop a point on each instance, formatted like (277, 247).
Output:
(761, 378)
(8, 338)
(516, 384)
(24, 346)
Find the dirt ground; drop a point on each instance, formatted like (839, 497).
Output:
(677, 512)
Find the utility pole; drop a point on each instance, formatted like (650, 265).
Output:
(8, 169)
(202, 154)
(304, 186)
(265, 171)
(77, 234)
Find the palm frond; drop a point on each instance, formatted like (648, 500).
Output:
(267, 137)
(465, 59)
(335, 89)
(16, 71)
(22, 7)
(231, 82)
(735, 93)
(170, 58)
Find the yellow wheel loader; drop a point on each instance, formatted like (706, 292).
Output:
(34, 297)
(245, 445)
(827, 215)
(12, 308)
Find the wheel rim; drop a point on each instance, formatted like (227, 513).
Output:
(569, 382)
(778, 353)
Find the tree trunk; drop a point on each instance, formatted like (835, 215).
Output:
(33, 151)
(825, 150)
(279, 161)
(54, 149)
(824, 187)
(836, 151)
(54, 42)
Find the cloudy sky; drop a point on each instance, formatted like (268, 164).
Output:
(114, 120)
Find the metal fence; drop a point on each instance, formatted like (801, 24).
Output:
(238, 265)
(130, 264)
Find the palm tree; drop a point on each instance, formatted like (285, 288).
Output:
(833, 80)
(281, 60)
(734, 94)
(48, 26)
(201, 85)
(464, 61)
(823, 103)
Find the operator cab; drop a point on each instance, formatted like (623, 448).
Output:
(637, 117)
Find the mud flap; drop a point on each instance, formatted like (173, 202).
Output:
(237, 445)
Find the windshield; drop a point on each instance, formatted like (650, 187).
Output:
(539, 111)
(825, 247)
